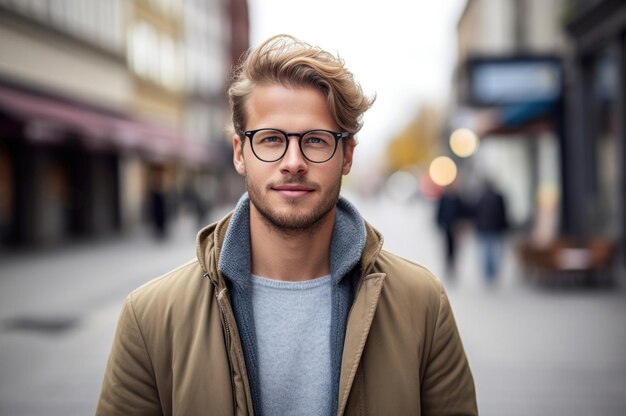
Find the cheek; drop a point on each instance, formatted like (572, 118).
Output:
(332, 175)
(256, 171)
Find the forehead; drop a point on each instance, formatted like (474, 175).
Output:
(288, 108)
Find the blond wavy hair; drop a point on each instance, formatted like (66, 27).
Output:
(286, 60)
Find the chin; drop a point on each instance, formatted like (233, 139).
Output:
(292, 218)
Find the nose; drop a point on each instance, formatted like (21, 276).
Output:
(293, 162)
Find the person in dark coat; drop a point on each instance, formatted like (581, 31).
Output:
(159, 204)
(490, 220)
(450, 211)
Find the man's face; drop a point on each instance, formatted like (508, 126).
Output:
(291, 193)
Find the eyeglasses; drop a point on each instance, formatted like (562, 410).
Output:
(317, 146)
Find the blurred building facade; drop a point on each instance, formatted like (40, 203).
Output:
(542, 83)
(509, 34)
(595, 194)
(96, 98)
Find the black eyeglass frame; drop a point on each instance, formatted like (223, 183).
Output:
(337, 135)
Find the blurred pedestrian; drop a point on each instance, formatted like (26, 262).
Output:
(159, 204)
(450, 213)
(491, 222)
(292, 306)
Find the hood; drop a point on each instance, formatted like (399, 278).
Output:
(353, 239)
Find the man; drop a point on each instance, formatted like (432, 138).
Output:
(491, 223)
(292, 307)
(450, 213)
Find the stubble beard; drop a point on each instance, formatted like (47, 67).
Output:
(295, 222)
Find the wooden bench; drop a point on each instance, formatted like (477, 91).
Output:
(564, 260)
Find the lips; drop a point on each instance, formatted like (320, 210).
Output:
(293, 190)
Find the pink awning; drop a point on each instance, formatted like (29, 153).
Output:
(48, 120)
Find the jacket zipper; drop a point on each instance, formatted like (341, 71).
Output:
(222, 313)
(227, 336)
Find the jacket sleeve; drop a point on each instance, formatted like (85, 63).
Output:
(448, 386)
(129, 386)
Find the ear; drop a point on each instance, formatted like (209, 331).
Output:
(347, 157)
(238, 161)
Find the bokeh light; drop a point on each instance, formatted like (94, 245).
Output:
(442, 171)
(464, 142)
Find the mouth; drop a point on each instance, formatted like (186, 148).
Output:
(292, 191)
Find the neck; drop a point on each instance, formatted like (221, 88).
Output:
(290, 255)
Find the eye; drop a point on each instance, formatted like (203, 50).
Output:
(271, 139)
(318, 139)
(268, 138)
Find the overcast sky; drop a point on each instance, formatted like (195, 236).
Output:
(402, 51)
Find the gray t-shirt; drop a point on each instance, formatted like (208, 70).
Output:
(292, 323)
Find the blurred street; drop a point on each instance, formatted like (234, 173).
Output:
(533, 351)
(114, 123)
